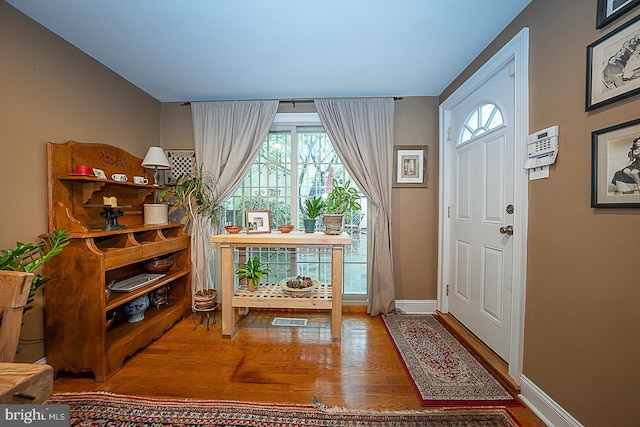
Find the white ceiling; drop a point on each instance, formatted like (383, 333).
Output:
(190, 50)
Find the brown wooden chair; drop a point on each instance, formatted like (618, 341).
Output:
(14, 292)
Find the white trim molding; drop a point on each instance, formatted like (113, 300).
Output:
(544, 406)
(417, 306)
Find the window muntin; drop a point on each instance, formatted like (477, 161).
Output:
(296, 162)
(482, 119)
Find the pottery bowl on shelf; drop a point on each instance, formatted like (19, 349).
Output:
(157, 265)
(232, 229)
(285, 228)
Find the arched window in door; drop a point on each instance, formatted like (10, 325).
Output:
(483, 118)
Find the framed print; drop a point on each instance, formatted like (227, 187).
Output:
(613, 66)
(610, 10)
(410, 166)
(258, 222)
(99, 173)
(615, 171)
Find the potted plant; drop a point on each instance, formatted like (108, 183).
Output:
(253, 271)
(341, 199)
(196, 194)
(28, 257)
(313, 208)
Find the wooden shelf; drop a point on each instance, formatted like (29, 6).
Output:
(77, 335)
(269, 297)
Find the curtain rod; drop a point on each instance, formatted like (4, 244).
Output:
(293, 101)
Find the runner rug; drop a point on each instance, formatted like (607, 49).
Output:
(107, 409)
(442, 371)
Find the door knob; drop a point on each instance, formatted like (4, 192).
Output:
(508, 230)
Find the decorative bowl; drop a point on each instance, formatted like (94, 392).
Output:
(302, 291)
(157, 265)
(233, 229)
(286, 228)
(135, 309)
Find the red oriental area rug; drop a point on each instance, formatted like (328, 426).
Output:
(443, 372)
(106, 409)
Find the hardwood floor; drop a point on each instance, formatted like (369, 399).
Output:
(265, 363)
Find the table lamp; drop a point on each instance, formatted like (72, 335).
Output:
(156, 159)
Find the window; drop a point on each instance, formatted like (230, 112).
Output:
(482, 119)
(295, 162)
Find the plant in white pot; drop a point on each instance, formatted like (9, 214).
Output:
(341, 199)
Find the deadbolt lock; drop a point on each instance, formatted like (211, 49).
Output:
(509, 209)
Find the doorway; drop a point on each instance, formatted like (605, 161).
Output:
(483, 202)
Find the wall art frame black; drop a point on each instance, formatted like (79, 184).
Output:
(610, 10)
(612, 66)
(615, 166)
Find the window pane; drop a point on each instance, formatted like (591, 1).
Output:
(482, 119)
(277, 183)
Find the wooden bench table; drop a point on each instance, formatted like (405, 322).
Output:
(270, 295)
(25, 383)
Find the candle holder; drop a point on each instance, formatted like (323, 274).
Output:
(111, 215)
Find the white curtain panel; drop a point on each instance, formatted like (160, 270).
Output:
(361, 131)
(228, 136)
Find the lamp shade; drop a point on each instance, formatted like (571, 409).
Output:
(156, 158)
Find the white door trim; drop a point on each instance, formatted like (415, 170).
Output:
(518, 50)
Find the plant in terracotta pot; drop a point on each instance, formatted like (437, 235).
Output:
(313, 208)
(253, 271)
(341, 199)
(196, 194)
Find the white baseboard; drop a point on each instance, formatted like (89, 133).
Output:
(417, 306)
(545, 407)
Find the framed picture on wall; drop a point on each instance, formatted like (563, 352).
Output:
(615, 158)
(613, 66)
(258, 222)
(410, 166)
(610, 10)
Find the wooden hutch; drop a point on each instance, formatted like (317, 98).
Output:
(78, 336)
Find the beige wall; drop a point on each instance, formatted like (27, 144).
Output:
(414, 212)
(582, 320)
(50, 91)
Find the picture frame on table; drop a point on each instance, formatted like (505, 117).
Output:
(613, 66)
(615, 170)
(610, 10)
(258, 222)
(410, 166)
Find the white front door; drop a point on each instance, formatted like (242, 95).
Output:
(481, 249)
(483, 217)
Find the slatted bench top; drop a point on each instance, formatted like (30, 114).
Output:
(271, 295)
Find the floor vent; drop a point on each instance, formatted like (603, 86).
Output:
(284, 321)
